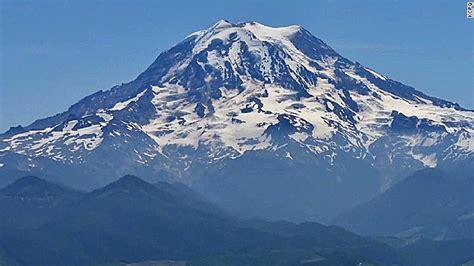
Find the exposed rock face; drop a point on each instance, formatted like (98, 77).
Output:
(249, 114)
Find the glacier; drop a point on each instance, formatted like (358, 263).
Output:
(254, 117)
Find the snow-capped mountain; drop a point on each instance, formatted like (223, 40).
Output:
(237, 109)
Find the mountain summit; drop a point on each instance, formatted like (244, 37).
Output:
(248, 113)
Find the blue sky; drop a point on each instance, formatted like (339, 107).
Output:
(53, 53)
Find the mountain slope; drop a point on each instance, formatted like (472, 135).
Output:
(430, 203)
(135, 221)
(29, 201)
(131, 220)
(224, 96)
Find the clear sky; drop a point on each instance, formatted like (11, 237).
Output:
(54, 53)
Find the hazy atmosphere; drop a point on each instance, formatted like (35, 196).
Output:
(215, 133)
